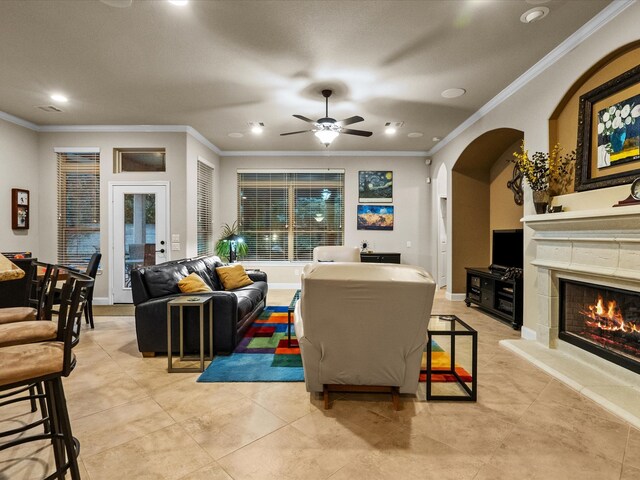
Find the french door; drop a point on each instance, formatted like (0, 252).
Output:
(140, 233)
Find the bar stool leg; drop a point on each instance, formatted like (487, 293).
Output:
(43, 407)
(54, 425)
(65, 424)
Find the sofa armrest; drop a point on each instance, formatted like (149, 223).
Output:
(257, 275)
(138, 288)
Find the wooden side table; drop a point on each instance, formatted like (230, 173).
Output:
(199, 301)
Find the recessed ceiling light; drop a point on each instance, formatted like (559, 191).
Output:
(179, 3)
(415, 134)
(390, 130)
(436, 139)
(57, 97)
(235, 135)
(256, 127)
(534, 14)
(453, 92)
(392, 127)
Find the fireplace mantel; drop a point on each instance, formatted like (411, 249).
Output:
(603, 242)
(622, 219)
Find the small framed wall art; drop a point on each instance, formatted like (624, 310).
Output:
(375, 217)
(375, 186)
(19, 209)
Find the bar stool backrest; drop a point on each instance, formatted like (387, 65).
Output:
(72, 300)
(38, 287)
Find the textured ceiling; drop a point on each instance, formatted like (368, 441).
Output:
(217, 65)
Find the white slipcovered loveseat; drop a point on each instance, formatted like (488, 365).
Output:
(363, 324)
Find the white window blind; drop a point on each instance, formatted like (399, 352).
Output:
(205, 209)
(78, 207)
(283, 216)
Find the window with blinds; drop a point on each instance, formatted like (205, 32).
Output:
(282, 216)
(78, 207)
(205, 209)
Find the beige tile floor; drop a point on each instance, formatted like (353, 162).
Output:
(135, 421)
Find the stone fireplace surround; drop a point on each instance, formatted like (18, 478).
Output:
(594, 246)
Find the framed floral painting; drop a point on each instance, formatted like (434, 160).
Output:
(608, 151)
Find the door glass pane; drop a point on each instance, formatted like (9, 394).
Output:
(139, 232)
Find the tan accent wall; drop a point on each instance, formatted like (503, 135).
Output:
(470, 225)
(503, 211)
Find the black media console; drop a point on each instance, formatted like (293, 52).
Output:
(499, 296)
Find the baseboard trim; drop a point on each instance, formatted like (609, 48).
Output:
(101, 301)
(455, 297)
(528, 333)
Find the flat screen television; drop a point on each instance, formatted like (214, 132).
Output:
(508, 246)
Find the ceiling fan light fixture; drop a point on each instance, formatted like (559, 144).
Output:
(326, 136)
(179, 3)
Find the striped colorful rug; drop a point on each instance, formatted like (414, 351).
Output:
(263, 356)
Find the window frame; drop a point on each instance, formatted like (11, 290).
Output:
(65, 230)
(291, 184)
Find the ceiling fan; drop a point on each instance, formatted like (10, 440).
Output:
(327, 128)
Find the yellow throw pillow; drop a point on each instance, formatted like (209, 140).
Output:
(192, 283)
(233, 277)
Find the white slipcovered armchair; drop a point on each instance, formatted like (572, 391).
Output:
(363, 324)
(336, 254)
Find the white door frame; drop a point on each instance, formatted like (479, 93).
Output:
(110, 214)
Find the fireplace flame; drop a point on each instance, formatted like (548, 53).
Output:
(608, 318)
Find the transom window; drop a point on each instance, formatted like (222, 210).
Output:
(283, 215)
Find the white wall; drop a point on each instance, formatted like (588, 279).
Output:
(18, 169)
(176, 146)
(529, 110)
(411, 199)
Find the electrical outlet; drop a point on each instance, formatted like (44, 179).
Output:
(296, 272)
(408, 244)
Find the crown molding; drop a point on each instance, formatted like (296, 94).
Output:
(19, 121)
(201, 138)
(115, 128)
(607, 14)
(324, 153)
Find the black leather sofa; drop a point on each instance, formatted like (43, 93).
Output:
(233, 310)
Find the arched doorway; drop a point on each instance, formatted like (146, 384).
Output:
(442, 187)
(480, 201)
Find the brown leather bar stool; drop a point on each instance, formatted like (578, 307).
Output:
(48, 362)
(38, 285)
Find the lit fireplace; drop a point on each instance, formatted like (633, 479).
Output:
(602, 320)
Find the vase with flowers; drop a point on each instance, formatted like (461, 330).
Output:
(541, 169)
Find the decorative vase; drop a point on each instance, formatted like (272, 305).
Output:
(618, 137)
(540, 200)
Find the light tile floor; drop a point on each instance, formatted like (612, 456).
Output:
(136, 421)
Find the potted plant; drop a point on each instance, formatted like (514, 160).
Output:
(223, 245)
(541, 169)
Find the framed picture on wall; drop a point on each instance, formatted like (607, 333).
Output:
(608, 150)
(375, 186)
(375, 217)
(19, 209)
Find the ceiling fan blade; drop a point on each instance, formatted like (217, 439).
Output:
(293, 133)
(304, 118)
(350, 120)
(361, 133)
